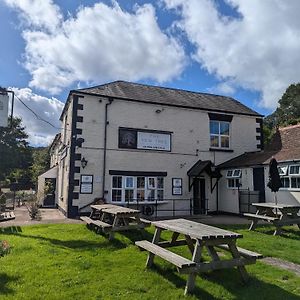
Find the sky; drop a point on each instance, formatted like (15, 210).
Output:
(249, 50)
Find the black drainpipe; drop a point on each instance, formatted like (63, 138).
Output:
(110, 100)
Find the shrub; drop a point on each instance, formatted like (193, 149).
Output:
(34, 210)
(4, 248)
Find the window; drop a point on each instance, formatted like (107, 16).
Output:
(130, 188)
(290, 176)
(219, 134)
(233, 178)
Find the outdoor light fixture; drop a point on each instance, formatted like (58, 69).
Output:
(83, 162)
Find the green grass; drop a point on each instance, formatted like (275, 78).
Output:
(68, 261)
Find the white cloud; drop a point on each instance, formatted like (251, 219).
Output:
(40, 133)
(259, 50)
(100, 43)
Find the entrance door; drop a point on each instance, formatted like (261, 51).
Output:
(199, 196)
(50, 186)
(259, 182)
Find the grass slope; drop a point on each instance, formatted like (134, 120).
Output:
(71, 262)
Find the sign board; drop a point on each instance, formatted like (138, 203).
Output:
(3, 110)
(131, 138)
(86, 184)
(176, 186)
(154, 141)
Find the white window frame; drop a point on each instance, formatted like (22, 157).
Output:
(233, 171)
(219, 135)
(290, 177)
(235, 175)
(283, 170)
(147, 189)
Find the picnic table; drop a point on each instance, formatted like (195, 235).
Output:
(277, 214)
(197, 236)
(109, 218)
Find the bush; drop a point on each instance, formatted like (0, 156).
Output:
(34, 210)
(4, 248)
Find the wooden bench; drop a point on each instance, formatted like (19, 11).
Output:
(243, 252)
(87, 220)
(6, 216)
(177, 260)
(260, 217)
(102, 225)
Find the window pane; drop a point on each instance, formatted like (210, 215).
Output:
(294, 169)
(295, 182)
(214, 141)
(160, 194)
(117, 182)
(224, 141)
(230, 183)
(224, 128)
(151, 183)
(285, 182)
(128, 195)
(229, 173)
(151, 195)
(129, 183)
(160, 182)
(140, 195)
(141, 182)
(237, 183)
(237, 173)
(214, 127)
(116, 195)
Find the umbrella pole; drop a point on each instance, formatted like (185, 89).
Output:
(275, 199)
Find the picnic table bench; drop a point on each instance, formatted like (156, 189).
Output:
(277, 214)
(109, 218)
(6, 216)
(196, 237)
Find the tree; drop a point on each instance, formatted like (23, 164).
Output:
(287, 112)
(40, 164)
(14, 151)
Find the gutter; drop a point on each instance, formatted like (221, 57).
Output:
(106, 122)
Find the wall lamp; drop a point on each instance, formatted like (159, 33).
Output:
(84, 162)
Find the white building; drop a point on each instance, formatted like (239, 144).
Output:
(245, 177)
(155, 147)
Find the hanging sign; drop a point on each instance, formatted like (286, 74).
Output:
(3, 110)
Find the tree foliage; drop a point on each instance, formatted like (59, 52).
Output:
(15, 152)
(40, 164)
(287, 112)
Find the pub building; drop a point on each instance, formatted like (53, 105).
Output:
(149, 147)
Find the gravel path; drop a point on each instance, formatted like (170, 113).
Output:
(283, 264)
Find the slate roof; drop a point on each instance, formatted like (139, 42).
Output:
(284, 146)
(168, 96)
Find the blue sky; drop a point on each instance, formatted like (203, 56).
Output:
(244, 49)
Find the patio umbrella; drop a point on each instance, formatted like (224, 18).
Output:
(274, 179)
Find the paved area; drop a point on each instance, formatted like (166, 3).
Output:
(283, 264)
(49, 215)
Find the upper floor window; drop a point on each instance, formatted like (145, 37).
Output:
(219, 134)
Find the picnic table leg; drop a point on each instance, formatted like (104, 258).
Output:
(114, 225)
(253, 224)
(190, 284)
(155, 240)
(213, 253)
(235, 254)
(190, 243)
(277, 230)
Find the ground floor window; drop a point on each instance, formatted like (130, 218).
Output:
(137, 188)
(234, 178)
(290, 176)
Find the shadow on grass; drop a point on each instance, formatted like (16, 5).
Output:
(138, 235)
(4, 281)
(288, 233)
(72, 244)
(231, 281)
(11, 230)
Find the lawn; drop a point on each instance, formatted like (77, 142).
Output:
(68, 261)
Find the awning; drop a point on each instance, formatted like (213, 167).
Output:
(51, 173)
(200, 167)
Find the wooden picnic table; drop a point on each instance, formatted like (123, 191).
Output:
(197, 236)
(109, 218)
(277, 214)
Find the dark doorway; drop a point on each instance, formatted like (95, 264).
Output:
(50, 186)
(259, 182)
(199, 196)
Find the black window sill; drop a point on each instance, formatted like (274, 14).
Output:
(220, 150)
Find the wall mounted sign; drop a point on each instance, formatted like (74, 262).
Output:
(130, 138)
(86, 184)
(177, 186)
